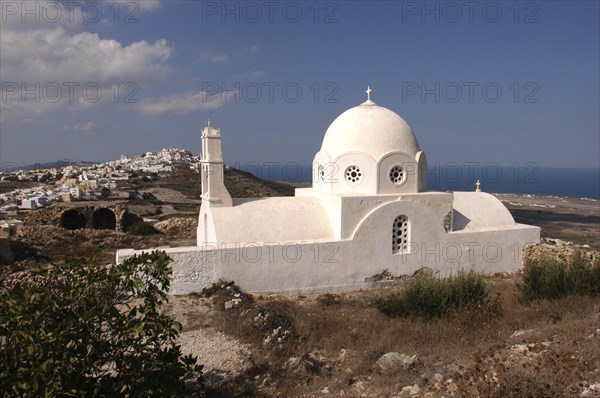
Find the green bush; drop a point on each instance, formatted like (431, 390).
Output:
(142, 229)
(552, 278)
(84, 330)
(436, 297)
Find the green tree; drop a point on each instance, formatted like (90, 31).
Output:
(76, 330)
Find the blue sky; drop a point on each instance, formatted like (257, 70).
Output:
(478, 81)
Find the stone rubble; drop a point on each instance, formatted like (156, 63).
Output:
(393, 360)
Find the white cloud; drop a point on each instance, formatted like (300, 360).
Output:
(215, 57)
(220, 57)
(252, 50)
(149, 5)
(256, 74)
(88, 128)
(185, 103)
(53, 55)
(49, 45)
(60, 54)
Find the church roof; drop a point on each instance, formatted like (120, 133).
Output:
(479, 211)
(370, 129)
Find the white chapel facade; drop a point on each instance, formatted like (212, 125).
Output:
(368, 211)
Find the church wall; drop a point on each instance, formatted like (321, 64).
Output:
(421, 159)
(366, 181)
(333, 206)
(348, 264)
(273, 219)
(488, 251)
(194, 267)
(408, 184)
(347, 211)
(206, 226)
(323, 170)
(435, 205)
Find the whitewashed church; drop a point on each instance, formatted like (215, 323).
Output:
(368, 213)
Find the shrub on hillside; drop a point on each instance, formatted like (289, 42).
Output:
(436, 297)
(552, 278)
(142, 229)
(83, 330)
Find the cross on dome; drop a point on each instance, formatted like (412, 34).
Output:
(368, 101)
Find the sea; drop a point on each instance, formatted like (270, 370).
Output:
(527, 178)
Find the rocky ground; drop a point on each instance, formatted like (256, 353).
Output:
(183, 227)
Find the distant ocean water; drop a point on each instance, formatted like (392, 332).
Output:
(517, 179)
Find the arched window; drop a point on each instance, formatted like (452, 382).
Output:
(400, 235)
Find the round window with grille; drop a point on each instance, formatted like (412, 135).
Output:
(322, 173)
(353, 174)
(397, 175)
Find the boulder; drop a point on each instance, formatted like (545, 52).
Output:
(393, 360)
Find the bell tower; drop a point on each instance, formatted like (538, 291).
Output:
(214, 192)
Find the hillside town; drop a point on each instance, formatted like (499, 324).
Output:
(108, 180)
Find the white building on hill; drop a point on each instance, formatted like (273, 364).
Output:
(368, 212)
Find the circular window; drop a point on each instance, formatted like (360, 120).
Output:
(397, 174)
(353, 174)
(322, 173)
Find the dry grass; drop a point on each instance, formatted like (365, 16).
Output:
(333, 341)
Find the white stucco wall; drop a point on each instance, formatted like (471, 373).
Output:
(272, 220)
(339, 264)
(194, 268)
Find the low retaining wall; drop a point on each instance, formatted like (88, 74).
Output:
(340, 265)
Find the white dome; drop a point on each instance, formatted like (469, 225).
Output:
(370, 129)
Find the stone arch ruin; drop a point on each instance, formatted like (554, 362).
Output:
(101, 215)
(104, 218)
(72, 219)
